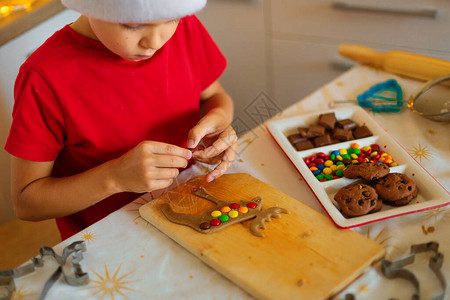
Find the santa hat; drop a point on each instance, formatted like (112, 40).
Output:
(135, 11)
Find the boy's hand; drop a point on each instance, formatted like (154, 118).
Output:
(220, 141)
(149, 166)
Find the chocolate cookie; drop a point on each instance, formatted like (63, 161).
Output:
(396, 189)
(357, 199)
(378, 205)
(366, 170)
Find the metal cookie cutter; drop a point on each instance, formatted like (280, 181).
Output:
(75, 276)
(394, 269)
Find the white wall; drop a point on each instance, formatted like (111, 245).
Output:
(12, 55)
(239, 29)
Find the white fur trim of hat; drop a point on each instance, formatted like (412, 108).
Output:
(135, 11)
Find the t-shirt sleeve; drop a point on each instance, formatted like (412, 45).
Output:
(37, 130)
(210, 60)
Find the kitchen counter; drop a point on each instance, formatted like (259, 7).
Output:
(18, 22)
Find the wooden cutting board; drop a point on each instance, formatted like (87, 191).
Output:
(302, 255)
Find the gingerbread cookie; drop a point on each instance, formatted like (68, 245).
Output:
(225, 213)
(396, 189)
(366, 170)
(358, 199)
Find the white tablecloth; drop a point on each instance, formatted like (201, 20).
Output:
(127, 258)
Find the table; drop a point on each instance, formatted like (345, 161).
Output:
(128, 258)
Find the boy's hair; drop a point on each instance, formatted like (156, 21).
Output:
(135, 11)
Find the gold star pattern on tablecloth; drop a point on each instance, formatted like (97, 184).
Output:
(378, 236)
(363, 288)
(112, 286)
(381, 239)
(420, 152)
(139, 202)
(435, 214)
(88, 236)
(21, 294)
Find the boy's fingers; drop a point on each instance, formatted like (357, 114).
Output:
(219, 170)
(197, 133)
(226, 140)
(160, 184)
(167, 149)
(168, 161)
(225, 165)
(164, 173)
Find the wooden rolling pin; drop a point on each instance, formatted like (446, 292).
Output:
(398, 62)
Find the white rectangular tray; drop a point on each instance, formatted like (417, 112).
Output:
(431, 194)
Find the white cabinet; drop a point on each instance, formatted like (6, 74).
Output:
(305, 35)
(286, 49)
(299, 68)
(298, 19)
(12, 55)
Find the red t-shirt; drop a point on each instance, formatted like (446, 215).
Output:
(80, 105)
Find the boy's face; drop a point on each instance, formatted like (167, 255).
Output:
(133, 42)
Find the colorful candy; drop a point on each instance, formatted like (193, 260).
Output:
(233, 214)
(243, 210)
(234, 205)
(225, 209)
(216, 214)
(331, 166)
(215, 222)
(224, 218)
(252, 205)
(226, 213)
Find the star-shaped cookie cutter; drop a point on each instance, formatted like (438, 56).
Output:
(75, 277)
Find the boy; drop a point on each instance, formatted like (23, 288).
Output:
(106, 107)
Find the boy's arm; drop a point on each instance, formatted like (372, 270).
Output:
(215, 131)
(214, 99)
(38, 196)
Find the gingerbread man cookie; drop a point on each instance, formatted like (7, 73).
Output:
(225, 213)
